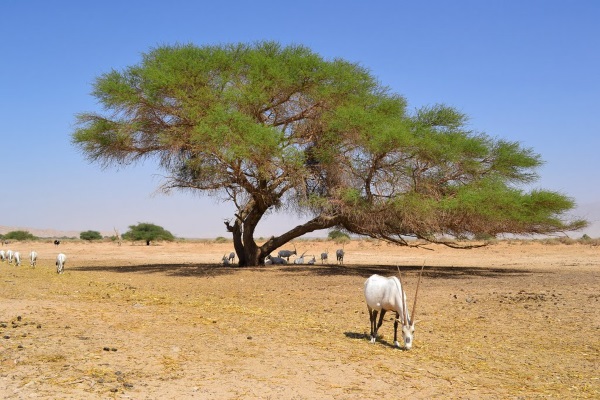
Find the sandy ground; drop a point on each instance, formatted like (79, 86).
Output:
(515, 320)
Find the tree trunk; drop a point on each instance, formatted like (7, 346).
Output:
(251, 255)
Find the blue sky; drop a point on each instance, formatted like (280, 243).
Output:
(527, 71)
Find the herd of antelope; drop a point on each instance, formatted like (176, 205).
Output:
(11, 257)
(382, 294)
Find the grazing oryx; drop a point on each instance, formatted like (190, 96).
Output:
(33, 258)
(339, 255)
(231, 257)
(324, 257)
(17, 256)
(387, 294)
(10, 256)
(61, 259)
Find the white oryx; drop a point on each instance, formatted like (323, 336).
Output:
(33, 258)
(275, 260)
(300, 260)
(10, 256)
(61, 259)
(387, 294)
(2, 255)
(225, 260)
(17, 257)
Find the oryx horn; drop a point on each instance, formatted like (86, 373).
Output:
(417, 293)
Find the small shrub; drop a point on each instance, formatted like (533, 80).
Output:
(19, 235)
(90, 235)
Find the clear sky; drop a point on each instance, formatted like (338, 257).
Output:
(526, 71)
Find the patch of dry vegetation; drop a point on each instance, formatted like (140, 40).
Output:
(166, 321)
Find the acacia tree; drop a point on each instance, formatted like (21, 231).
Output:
(147, 232)
(270, 127)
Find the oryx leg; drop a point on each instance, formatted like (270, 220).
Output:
(396, 343)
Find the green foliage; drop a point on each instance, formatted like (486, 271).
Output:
(19, 235)
(335, 234)
(271, 127)
(90, 235)
(147, 232)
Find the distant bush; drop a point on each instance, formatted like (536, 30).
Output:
(336, 234)
(19, 235)
(148, 233)
(90, 235)
(221, 239)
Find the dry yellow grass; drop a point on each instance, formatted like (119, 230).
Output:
(165, 321)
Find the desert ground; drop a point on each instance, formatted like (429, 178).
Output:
(513, 320)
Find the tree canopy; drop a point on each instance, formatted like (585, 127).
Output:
(271, 127)
(147, 232)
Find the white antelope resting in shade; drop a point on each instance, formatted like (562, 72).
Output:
(387, 294)
(61, 259)
(225, 260)
(300, 260)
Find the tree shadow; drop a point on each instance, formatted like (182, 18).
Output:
(214, 270)
(178, 270)
(442, 272)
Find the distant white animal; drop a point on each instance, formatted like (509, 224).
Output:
(225, 260)
(339, 255)
(10, 256)
(61, 259)
(324, 257)
(17, 257)
(312, 261)
(387, 294)
(33, 258)
(2, 255)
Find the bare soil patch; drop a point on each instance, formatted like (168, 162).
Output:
(515, 320)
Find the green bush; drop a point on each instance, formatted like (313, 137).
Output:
(19, 235)
(90, 235)
(148, 233)
(336, 234)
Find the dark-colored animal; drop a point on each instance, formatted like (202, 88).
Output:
(287, 253)
(56, 242)
(339, 255)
